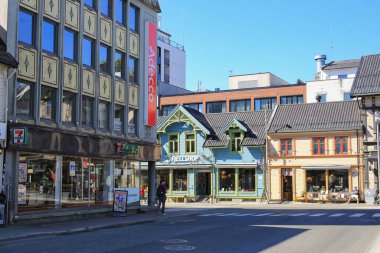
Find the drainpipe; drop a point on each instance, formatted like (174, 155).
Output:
(378, 155)
(358, 159)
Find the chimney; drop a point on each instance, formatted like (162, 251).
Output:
(320, 59)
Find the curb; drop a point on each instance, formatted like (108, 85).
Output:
(91, 228)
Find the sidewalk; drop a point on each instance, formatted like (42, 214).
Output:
(16, 232)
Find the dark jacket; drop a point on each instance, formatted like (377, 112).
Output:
(161, 191)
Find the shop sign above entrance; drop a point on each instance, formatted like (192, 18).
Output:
(184, 158)
(125, 149)
(20, 136)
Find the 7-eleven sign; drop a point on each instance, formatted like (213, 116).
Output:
(20, 136)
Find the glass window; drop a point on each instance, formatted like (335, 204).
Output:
(319, 145)
(166, 109)
(247, 181)
(120, 11)
(68, 107)
(321, 98)
(87, 52)
(49, 36)
(37, 182)
(286, 147)
(47, 103)
(126, 174)
(103, 115)
(99, 182)
(24, 98)
(106, 7)
(240, 105)
(132, 121)
(227, 180)
(342, 76)
(89, 3)
(87, 110)
(104, 59)
(133, 65)
(341, 145)
(26, 27)
(346, 96)
(163, 175)
(338, 180)
(119, 64)
(190, 144)
(315, 180)
(236, 139)
(265, 103)
(173, 143)
(133, 18)
(180, 180)
(216, 107)
(69, 44)
(290, 100)
(119, 118)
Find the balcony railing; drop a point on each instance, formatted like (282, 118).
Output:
(170, 42)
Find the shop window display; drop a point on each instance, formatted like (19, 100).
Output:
(316, 180)
(37, 181)
(247, 180)
(227, 180)
(163, 175)
(338, 180)
(126, 174)
(180, 180)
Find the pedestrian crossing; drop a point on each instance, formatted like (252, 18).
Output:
(280, 214)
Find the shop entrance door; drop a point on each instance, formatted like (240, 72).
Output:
(287, 185)
(203, 186)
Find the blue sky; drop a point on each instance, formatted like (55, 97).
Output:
(279, 36)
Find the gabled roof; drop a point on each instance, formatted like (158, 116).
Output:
(367, 79)
(235, 123)
(345, 64)
(316, 117)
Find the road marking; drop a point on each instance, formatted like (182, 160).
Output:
(261, 214)
(279, 214)
(376, 215)
(317, 214)
(229, 214)
(244, 214)
(357, 215)
(337, 215)
(210, 214)
(179, 247)
(298, 214)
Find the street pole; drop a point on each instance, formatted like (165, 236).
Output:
(377, 120)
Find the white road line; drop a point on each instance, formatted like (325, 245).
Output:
(317, 214)
(244, 214)
(279, 214)
(376, 215)
(298, 214)
(261, 214)
(337, 215)
(210, 214)
(357, 215)
(228, 214)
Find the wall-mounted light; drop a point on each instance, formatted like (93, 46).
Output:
(1, 149)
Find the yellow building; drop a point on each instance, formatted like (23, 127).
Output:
(315, 152)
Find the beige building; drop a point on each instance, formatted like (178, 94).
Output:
(256, 80)
(315, 151)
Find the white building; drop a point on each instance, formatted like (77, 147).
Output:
(256, 80)
(171, 61)
(333, 80)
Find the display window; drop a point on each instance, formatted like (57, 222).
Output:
(180, 180)
(325, 181)
(247, 181)
(227, 180)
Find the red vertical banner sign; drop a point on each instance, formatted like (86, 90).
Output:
(151, 85)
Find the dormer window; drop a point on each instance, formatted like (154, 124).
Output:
(236, 138)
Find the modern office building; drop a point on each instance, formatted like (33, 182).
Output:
(256, 80)
(315, 152)
(366, 90)
(332, 81)
(171, 61)
(237, 100)
(82, 107)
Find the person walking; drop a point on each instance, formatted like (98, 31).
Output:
(161, 196)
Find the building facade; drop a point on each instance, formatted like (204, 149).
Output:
(253, 99)
(78, 107)
(333, 80)
(366, 90)
(256, 80)
(315, 151)
(212, 157)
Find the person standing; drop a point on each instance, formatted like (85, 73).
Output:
(161, 195)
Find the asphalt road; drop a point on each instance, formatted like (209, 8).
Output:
(227, 230)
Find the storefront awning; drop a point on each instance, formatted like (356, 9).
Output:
(183, 166)
(236, 165)
(326, 167)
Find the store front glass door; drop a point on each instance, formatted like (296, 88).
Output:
(203, 183)
(287, 185)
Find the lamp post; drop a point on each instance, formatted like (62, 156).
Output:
(377, 120)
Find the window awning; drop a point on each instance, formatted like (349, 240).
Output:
(236, 165)
(326, 167)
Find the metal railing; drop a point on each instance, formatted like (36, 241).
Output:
(170, 42)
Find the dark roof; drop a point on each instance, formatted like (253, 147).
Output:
(5, 57)
(367, 79)
(160, 119)
(166, 89)
(200, 117)
(316, 117)
(354, 63)
(254, 121)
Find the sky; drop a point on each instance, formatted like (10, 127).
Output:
(277, 36)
